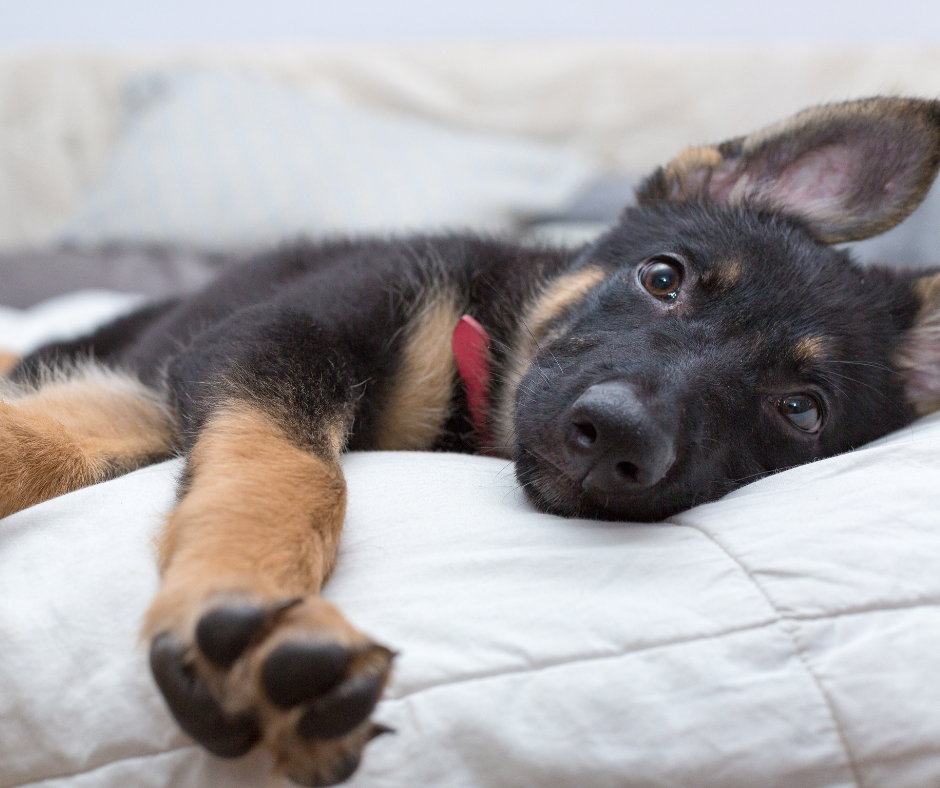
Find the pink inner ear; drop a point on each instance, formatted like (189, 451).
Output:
(818, 184)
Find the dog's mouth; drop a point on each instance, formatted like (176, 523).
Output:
(555, 490)
(607, 454)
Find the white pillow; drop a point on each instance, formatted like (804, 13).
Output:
(226, 158)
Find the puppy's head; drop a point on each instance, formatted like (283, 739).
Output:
(714, 336)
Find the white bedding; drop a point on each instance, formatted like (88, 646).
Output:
(787, 635)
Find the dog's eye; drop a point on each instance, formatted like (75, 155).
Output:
(802, 410)
(662, 276)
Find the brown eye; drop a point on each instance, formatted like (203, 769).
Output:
(802, 411)
(662, 277)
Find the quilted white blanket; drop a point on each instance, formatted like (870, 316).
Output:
(787, 635)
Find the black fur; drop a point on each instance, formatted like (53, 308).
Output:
(714, 365)
(314, 332)
(695, 387)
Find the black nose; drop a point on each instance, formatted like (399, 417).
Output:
(613, 443)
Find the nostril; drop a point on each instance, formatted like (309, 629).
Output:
(628, 472)
(585, 433)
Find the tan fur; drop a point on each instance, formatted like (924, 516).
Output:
(560, 294)
(260, 525)
(549, 304)
(261, 516)
(7, 362)
(918, 358)
(723, 276)
(810, 349)
(927, 289)
(730, 273)
(687, 174)
(76, 431)
(419, 403)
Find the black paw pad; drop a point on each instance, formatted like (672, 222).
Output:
(296, 672)
(194, 708)
(342, 709)
(223, 634)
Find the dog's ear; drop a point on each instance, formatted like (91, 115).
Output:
(849, 171)
(918, 356)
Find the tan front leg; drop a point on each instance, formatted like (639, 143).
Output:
(244, 649)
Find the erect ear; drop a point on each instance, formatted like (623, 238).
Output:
(918, 357)
(849, 171)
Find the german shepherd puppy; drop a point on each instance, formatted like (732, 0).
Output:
(712, 337)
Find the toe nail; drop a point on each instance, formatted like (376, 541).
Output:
(383, 652)
(378, 729)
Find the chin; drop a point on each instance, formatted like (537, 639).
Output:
(552, 492)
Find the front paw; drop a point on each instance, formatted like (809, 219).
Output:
(289, 674)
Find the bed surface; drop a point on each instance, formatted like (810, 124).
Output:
(788, 635)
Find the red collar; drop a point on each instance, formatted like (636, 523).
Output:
(471, 345)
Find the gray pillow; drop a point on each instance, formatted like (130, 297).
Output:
(226, 159)
(27, 278)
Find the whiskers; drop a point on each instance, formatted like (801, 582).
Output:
(837, 381)
(872, 364)
(538, 347)
(521, 359)
(754, 476)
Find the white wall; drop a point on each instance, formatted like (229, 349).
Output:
(115, 23)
